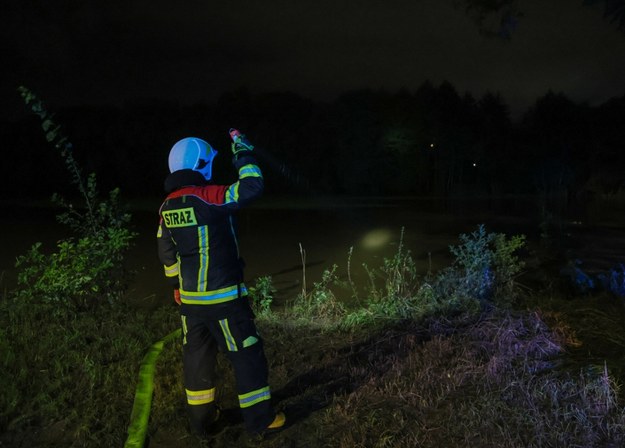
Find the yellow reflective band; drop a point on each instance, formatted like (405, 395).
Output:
(184, 329)
(171, 271)
(212, 297)
(159, 232)
(254, 397)
(250, 341)
(195, 397)
(230, 342)
(232, 193)
(249, 171)
(202, 277)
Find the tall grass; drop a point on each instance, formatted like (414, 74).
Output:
(482, 275)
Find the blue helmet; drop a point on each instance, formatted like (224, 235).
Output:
(192, 153)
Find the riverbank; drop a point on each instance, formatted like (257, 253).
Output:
(416, 363)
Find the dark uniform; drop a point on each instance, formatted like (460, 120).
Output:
(198, 246)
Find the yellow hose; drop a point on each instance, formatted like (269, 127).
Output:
(143, 396)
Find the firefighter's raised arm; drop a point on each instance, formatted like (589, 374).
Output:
(250, 184)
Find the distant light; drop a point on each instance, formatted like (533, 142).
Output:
(376, 239)
(432, 145)
(474, 164)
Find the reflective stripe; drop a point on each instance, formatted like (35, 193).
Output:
(184, 329)
(232, 193)
(171, 271)
(230, 342)
(254, 397)
(195, 397)
(202, 278)
(251, 340)
(249, 171)
(212, 297)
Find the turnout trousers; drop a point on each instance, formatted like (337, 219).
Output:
(238, 339)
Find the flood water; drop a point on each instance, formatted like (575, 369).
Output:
(279, 237)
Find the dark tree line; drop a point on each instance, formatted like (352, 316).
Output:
(500, 18)
(430, 142)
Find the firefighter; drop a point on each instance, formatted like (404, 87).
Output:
(198, 246)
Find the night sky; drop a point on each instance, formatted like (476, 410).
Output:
(87, 52)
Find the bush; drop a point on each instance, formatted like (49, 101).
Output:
(482, 273)
(83, 270)
(483, 270)
(88, 266)
(262, 296)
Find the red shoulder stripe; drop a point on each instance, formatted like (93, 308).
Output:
(211, 194)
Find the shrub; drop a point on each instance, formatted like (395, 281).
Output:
(87, 266)
(262, 295)
(79, 273)
(483, 270)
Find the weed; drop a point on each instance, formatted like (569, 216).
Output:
(262, 296)
(320, 304)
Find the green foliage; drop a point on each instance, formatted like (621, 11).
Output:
(81, 272)
(483, 269)
(482, 274)
(88, 266)
(262, 295)
(399, 274)
(397, 298)
(320, 304)
(55, 136)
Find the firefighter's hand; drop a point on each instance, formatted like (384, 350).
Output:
(240, 144)
(177, 296)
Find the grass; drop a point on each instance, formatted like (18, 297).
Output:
(416, 361)
(489, 380)
(69, 378)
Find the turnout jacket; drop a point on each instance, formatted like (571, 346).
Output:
(197, 238)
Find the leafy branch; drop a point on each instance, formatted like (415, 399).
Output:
(86, 267)
(55, 136)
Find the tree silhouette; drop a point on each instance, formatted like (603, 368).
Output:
(499, 18)
(614, 11)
